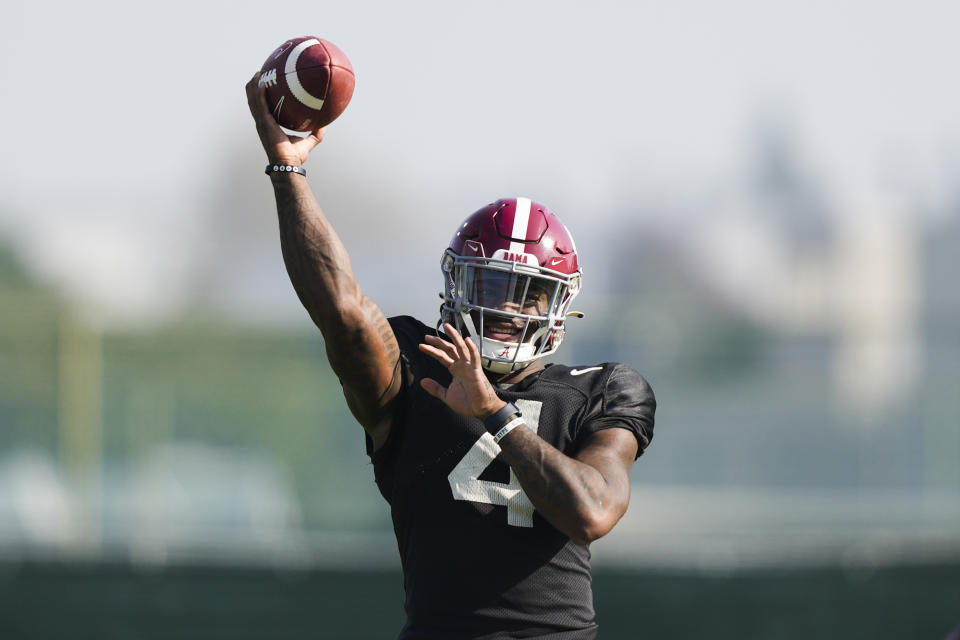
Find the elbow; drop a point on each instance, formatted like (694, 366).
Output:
(590, 526)
(340, 316)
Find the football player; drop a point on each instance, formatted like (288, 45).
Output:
(499, 471)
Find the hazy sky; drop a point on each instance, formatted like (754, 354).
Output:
(123, 120)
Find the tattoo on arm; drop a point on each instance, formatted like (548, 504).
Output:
(382, 326)
(583, 500)
(360, 343)
(316, 261)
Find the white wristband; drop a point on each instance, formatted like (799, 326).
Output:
(507, 428)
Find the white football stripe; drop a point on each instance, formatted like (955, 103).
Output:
(293, 80)
(520, 220)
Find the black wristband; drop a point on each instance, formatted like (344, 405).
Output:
(498, 419)
(285, 168)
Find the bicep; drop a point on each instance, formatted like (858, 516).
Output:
(611, 452)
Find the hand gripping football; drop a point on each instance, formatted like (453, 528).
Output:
(309, 82)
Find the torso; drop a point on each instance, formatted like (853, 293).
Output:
(478, 560)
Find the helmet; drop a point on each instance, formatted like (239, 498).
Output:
(509, 276)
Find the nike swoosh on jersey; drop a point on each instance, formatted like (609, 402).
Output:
(580, 372)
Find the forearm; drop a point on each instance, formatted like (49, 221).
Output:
(582, 497)
(315, 258)
(359, 342)
(572, 495)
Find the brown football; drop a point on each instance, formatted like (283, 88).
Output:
(309, 83)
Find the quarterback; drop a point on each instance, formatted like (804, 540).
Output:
(499, 471)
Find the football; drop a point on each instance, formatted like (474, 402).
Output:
(309, 82)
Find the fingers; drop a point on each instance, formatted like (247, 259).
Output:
(280, 147)
(307, 143)
(453, 351)
(251, 87)
(270, 132)
(473, 349)
(256, 98)
(457, 340)
(317, 135)
(466, 346)
(434, 388)
(441, 352)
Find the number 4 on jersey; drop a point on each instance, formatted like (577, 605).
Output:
(465, 479)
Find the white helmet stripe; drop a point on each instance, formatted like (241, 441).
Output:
(293, 80)
(570, 235)
(520, 220)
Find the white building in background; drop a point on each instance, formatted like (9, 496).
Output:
(858, 282)
(877, 293)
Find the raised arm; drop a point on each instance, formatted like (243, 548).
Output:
(360, 344)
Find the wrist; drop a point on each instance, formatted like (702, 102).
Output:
(495, 421)
(280, 169)
(486, 412)
(508, 428)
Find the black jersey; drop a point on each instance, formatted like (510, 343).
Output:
(478, 560)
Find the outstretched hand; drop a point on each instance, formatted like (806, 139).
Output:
(470, 393)
(280, 147)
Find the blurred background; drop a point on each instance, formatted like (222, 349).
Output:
(766, 200)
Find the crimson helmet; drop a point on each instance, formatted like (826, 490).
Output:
(509, 276)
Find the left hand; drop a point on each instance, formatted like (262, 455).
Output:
(470, 392)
